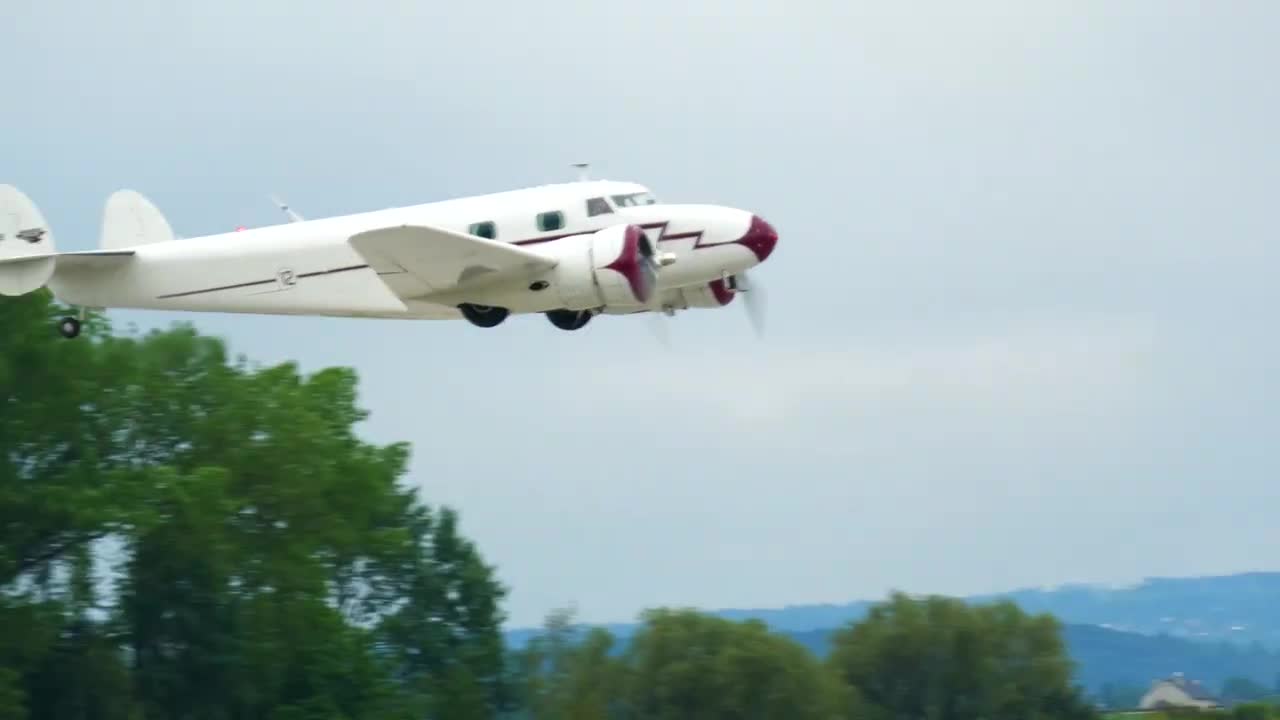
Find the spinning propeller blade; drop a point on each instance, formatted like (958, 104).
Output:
(754, 301)
(660, 328)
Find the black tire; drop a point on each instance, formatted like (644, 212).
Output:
(483, 315)
(569, 319)
(69, 327)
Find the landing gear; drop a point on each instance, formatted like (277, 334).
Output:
(569, 319)
(483, 315)
(69, 327)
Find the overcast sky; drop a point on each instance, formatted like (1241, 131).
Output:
(1021, 321)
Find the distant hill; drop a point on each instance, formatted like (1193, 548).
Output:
(1108, 656)
(1240, 609)
(1210, 628)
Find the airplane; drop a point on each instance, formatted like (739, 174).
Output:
(569, 251)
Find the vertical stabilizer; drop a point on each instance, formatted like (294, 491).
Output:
(129, 220)
(23, 234)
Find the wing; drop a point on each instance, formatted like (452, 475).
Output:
(446, 261)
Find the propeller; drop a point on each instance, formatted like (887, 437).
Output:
(753, 300)
(660, 329)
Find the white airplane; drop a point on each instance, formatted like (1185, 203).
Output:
(570, 251)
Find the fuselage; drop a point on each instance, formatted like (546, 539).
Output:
(310, 268)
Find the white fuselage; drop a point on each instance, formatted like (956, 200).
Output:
(310, 268)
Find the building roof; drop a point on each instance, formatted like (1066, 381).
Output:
(1192, 688)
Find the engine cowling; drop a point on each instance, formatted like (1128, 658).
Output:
(613, 267)
(714, 294)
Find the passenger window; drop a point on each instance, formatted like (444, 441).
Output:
(484, 230)
(598, 206)
(550, 221)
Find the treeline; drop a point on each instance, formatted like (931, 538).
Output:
(264, 561)
(184, 535)
(910, 658)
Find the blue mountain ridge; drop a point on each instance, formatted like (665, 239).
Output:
(1210, 628)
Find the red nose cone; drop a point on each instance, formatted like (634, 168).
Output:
(760, 238)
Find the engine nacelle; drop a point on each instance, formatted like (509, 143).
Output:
(714, 294)
(612, 267)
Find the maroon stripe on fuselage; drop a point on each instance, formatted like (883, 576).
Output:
(662, 236)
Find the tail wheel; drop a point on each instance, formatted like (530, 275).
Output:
(69, 327)
(483, 315)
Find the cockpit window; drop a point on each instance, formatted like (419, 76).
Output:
(598, 206)
(633, 199)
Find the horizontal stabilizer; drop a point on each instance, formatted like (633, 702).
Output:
(79, 257)
(130, 219)
(23, 274)
(445, 260)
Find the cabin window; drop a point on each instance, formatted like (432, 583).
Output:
(553, 220)
(598, 206)
(485, 229)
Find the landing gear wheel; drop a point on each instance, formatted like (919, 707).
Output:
(69, 327)
(483, 315)
(569, 319)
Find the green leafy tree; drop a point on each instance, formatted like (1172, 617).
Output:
(59, 489)
(445, 638)
(273, 563)
(689, 665)
(940, 659)
(59, 492)
(567, 672)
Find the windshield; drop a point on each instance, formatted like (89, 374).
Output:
(633, 199)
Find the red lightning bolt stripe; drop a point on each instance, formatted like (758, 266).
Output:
(662, 235)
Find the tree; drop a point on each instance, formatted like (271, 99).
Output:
(568, 672)
(689, 665)
(58, 489)
(941, 659)
(59, 492)
(445, 637)
(273, 563)
(1255, 711)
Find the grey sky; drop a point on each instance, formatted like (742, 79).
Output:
(1021, 314)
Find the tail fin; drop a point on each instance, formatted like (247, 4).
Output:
(129, 219)
(26, 244)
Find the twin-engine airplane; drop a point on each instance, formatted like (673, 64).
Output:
(570, 251)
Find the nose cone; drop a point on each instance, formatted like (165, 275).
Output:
(760, 238)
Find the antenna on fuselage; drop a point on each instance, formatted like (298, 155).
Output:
(284, 207)
(583, 176)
